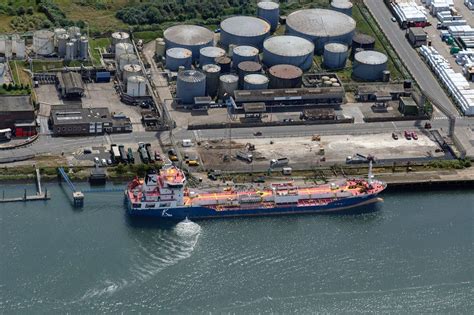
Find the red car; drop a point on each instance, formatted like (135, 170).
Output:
(407, 135)
(414, 135)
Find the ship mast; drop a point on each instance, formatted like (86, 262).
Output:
(370, 175)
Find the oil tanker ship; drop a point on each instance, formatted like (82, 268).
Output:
(164, 194)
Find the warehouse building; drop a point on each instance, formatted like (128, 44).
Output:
(70, 84)
(18, 114)
(68, 121)
(297, 97)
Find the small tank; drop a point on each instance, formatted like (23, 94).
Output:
(247, 67)
(130, 70)
(228, 83)
(136, 86)
(223, 62)
(285, 77)
(270, 12)
(160, 49)
(176, 57)
(70, 51)
(212, 73)
(255, 82)
(127, 59)
(335, 55)
(62, 40)
(243, 53)
(123, 48)
(207, 55)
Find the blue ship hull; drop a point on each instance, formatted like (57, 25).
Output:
(358, 204)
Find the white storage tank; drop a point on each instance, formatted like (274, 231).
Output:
(288, 49)
(191, 37)
(343, 6)
(70, 51)
(123, 48)
(74, 32)
(160, 47)
(207, 55)
(244, 30)
(335, 55)
(228, 83)
(19, 47)
(130, 70)
(176, 57)
(84, 48)
(43, 42)
(127, 59)
(136, 86)
(190, 84)
(321, 26)
(270, 12)
(255, 82)
(212, 73)
(57, 33)
(62, 41)
(119, 37)
(243, 53)
(369, 65)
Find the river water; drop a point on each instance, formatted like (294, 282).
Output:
(414, 255)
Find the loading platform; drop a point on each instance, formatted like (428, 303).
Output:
(40, 195)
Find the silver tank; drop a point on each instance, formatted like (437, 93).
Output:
(119, 37)
(321, 26)
(176, 57)
(70, 51)
(343, 6)
(84, 48)
(212, 73)
(244, 30)
(127, 59)
(287, 49)
(270, 12)
(207, 55)
(191, 37)
(160, 47)
(130, 70)
(123, 48)
(369, 65)
(228, 83)
(190, 84)
(335, 55)
(43, 42)
(243, 53)
(62, 40)
(255, 82)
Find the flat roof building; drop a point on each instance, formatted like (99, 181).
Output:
(15, 109)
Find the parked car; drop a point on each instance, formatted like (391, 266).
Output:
(427, 125)
(407, 135)
(96, 160)
(394, 136)
(393, 19)
(414, 135)
(257, 134)
(103, 162)
(109, 162)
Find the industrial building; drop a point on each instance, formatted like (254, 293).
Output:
(417, 36)
(298, 97)
(244, 30)
(287, 49)
(191, 37)
(68, 121)
(408, 106)
(383, 92)
(70, 84)
(321, 26)
(18, 114)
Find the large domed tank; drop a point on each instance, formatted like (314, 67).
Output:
(244, 30)
(177, 57)
(243, 53)
(190, 84)
(369, 65)
(43, 42)
(191, 37)
(321, 26)
(270, 12)
(335, 55)
(285, 77)
(287, 49)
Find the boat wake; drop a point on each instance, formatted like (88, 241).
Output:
(152, 255)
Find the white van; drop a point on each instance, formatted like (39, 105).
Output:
(187, 143)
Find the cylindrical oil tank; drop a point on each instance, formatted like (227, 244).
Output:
(123, 48)
(73, 31)
(178, 56)
(70, 51)
(190, 84)
(369, 65)
(160, 47)
(3, 39)
(119, 37)
(191, 37)
(8, 48)
(335, 55)
(255, 82)
(57, 33)
(243, 53)
(228, 83)
(84, 48)
(343, 6)
(43, 42)
(130, 70)
(127, 59)
(224, 63)
(288, 49)
(364, 41)
(20, 49)
(62, 41)
(285, 77)
(321, 26)
(386, 76)
(212, 73)
(76, 46)
(247, 67)
(136, 86)
(270, 12)
(207, 55)
(244, 30)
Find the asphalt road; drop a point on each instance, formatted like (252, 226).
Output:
(420, 71)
